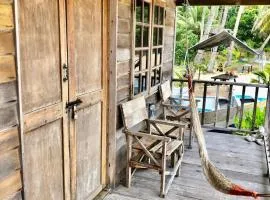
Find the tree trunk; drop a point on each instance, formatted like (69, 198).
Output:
(206, 31)
(265, 42)
(235, 30)
(214, 53)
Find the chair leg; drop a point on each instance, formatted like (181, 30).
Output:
(129, 154)
(180, 155)
(163, 168)
(190, 136)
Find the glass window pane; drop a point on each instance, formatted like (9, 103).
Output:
(144, 82)
(160, 36)
(137, 61)
(145, 36)
(155, 36)
(159, 56)
(153, 58)
(156, 15)
(158, 75)
(139, 4)
(136, 88)
(138, 42)
(153, 77)
(161, 14)
(145, 60)
(146, 12)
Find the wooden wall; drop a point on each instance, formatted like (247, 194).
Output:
(124, 53)
(10, 173)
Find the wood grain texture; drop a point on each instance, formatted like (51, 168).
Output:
(6, 43)
(41, 117)
(88, 28)
(9, 139)
(88, 152)
(10, 185)
(6, 15)
(7, 93)
(40, 59)
(134, 112)
(9, 163)
(7, 69)
(43, 176)
(8, 116)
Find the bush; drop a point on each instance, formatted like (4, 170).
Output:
(247, 119)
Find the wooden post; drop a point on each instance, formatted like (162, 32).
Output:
(242, 106)
(112, 102)
(229, 106)
(204, 102)
(254, 109)
(216, 105)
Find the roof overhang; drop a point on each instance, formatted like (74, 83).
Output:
(225, 38)
(223, 2)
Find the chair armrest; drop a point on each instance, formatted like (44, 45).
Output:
(170, 123)
(140, 134)
(171, 105)
(178, 99)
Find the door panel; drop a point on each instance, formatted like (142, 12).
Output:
(88, 45)
(40, 60)
(43, 172)
(87, 39)
(88, 150)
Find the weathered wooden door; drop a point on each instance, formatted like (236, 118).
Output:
(44, 94)
(63, 59)
(86, 22)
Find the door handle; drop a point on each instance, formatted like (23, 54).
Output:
(72, 106)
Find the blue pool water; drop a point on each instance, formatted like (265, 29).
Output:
(238, 97)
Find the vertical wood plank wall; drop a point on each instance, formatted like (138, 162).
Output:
(124, 53)
(10, 176)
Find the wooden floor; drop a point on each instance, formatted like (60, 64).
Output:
(238, 159)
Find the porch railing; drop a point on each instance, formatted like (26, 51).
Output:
(210, 119)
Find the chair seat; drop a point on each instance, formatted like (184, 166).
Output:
(156, 146)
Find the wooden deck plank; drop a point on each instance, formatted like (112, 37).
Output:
(241, 161)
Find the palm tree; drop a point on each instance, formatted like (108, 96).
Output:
(235, 30)
(263, 20)
(223, 20)
(207, 28)
(263, 76)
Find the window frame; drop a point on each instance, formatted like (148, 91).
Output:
(161, 4)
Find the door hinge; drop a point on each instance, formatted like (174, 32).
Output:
(65, 72)
(72, 106)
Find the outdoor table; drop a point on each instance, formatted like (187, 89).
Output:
(225, 77)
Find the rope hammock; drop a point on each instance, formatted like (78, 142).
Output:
(212, 174)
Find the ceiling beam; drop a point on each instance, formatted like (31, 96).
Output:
(223, 2)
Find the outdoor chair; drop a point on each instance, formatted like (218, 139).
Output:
(151, 150)
(174, 110)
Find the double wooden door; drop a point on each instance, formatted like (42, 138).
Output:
(63, 54)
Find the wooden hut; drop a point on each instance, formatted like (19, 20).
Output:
(65, 66)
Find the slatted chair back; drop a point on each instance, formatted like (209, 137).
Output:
(134, 112)
(165, 91)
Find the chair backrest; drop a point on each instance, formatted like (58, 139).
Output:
(165, 90)
(134, 112)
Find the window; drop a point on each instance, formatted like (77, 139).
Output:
(148, 46)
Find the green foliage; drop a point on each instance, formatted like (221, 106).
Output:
(245, 31)
(187, 31)
(263, 76)
(247, 119)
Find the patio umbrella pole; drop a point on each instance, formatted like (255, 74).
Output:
(212, 174)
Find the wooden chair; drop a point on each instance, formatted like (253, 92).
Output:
(173, 109)
(146, 149)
